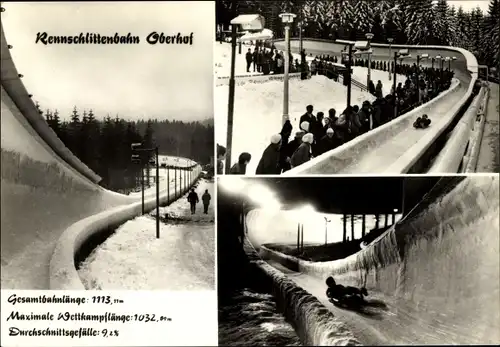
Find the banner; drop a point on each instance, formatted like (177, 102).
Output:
(108, 318)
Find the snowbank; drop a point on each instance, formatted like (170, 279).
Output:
(132, 258)
(258, 110)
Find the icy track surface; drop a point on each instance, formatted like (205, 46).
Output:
(182, 259)
(385, 151)
(433, 279)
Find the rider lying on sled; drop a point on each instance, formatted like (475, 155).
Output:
(339, 292)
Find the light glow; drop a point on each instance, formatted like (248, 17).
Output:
(264, 197)
(233, 184)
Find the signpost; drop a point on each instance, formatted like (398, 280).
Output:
(141, 156)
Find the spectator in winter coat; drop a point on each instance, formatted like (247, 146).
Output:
(364, 117)
(353, 123)
(248, 58)
(291, 148)
(269, 163)
(329, 141)
(308, 117)
(328, 124)
(332, 114)
(314, 67)
(371, 88)
(254, 59)
(377, 112)
(206, 201)
(285, 133)
(341, 128)
(318, 132)
(378, 90)
(303, 153)
(221, 155)
(240, 168)
(193, 200)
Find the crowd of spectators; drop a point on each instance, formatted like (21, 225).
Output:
(319, 133)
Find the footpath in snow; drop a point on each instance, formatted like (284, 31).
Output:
(182, 259)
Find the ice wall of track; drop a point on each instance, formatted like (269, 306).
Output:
(443, 259)
(314, 324)
(41, 196)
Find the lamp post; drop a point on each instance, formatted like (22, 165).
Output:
(403, 53)
(349, 66)
(390, 40)
(235, 22)
(326, 229)
(440, 61)
(369, 37)
(301, 45)
(141, 159)
(421, 57)
(287, 19)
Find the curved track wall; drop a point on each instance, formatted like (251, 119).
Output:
(45, 188)
(441, 260)
(349, 158)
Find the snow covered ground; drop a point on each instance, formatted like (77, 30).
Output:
(182, 259)
(258, 110)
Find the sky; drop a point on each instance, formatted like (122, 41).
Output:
(134, 81)
(468, 5)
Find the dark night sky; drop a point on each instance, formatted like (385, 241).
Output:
(356, 195)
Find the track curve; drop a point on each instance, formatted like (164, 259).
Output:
(45, 188)
(433, 278)
(397, 137)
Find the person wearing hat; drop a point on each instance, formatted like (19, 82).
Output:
(290, 148)
(308, 117)
(303, 153)
(329, 141)
(221, 155)
(240, 168)
(305, 126)
(269, 163)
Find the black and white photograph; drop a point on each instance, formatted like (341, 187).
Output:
(329, 261)
(107, 146)
(357, 87)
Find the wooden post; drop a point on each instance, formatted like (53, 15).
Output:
(363, 226)
(344, 238)
(352, 226)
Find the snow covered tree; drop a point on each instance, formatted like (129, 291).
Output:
(362, 20)
(453, 27)
(490, 42)
(476, 26)
(461, 39)
(419, 15)
(441, 23)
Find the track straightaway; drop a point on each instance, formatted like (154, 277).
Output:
(391, 149)
(377, 154)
